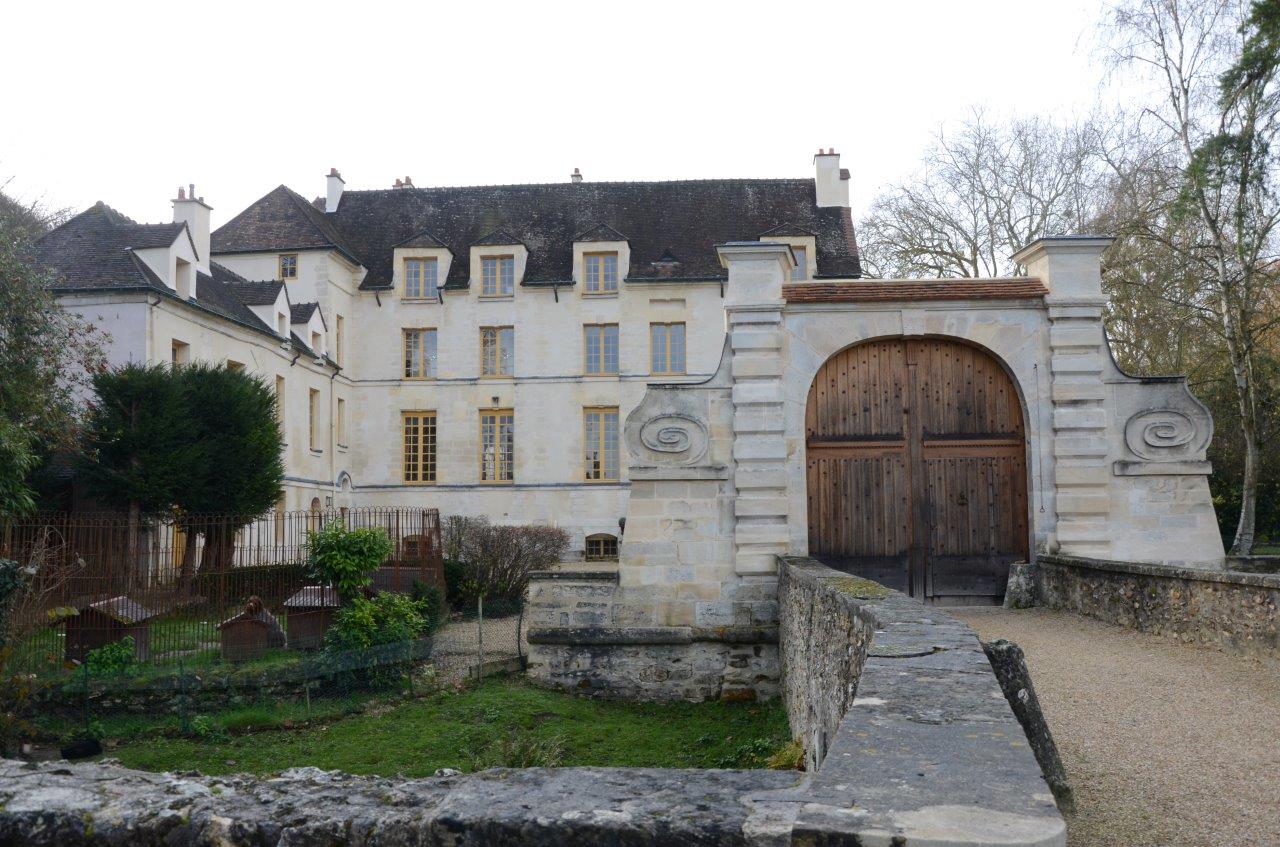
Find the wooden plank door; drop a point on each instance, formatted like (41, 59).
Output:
(916, 468)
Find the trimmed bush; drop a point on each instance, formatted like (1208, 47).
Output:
(346, 558)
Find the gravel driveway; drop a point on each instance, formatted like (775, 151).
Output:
(1166, 745)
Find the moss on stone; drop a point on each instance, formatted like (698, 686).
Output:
(863, 589)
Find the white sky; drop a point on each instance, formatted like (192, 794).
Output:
(123, 102)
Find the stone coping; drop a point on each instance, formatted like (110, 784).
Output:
(1252, 580)
(1254, 564)
(927, 755)
(596, 635)
(573, 576)
(929, 752)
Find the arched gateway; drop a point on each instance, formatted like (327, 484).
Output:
(916, 468)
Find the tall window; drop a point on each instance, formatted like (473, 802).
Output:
(666, 348)
(315, 343)
(179, 352)
(337, 339)
(497, 445)
(313, 420)
(600, 348)
(801, 270)
(600, 443)
(419, 354)
(419, 430)
(497, 275)
(289, 266)
(341, 428)
(601, 272)
(420, 281)
(497, 350)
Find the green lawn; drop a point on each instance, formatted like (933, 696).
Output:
(502, 721)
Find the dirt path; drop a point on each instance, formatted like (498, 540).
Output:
(1166, 745)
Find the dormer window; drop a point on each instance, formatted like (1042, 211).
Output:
(801, 270)
(600, 273)
(421, 280)
(497, 276)
(289, 266)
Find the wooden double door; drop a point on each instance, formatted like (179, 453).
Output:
(917, 468)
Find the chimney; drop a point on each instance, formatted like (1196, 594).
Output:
(334, 192)
(408, 182)
(194, 212)
(830, 181)
(576, 176)
(398, 183)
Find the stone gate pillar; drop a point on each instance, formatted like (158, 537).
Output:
(1070, 267)
(753, 308)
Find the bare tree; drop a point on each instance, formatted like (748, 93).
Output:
(1214, 116)
(981, 194)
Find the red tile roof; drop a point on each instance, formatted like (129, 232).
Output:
(869, 290)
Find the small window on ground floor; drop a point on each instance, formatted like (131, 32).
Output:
(602, 547)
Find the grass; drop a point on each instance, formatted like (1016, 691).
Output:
(502, 721)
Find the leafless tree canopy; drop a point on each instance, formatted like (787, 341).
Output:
(983, 192)
(499, 558)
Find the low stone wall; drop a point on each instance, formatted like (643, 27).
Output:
(580, 640)
(825, 631)
(923, 748)
(1231, 610)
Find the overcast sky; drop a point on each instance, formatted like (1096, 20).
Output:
(122, 102)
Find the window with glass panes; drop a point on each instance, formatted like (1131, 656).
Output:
(497, 445)
(419, 354)
(600, 443)
(600, 348)
(497, 350)
(602, 547)
(801, 270)
(497, 275)
(666, 348)
(419, 458)
(289, 266)
(420, 279)
(600, 272)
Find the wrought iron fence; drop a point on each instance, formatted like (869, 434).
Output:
(194, 589)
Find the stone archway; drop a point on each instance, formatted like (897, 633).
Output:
(916, 468)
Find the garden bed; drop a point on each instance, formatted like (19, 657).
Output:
(503, 721)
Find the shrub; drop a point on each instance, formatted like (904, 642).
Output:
(346, 558)
(115, 659)
(496, 560)
(375, 637)
(432, 601)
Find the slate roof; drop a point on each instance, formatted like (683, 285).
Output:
(685, 219)
(282, 220)
(261, 293)
(859, 291)
(94, 251)
(300, 313)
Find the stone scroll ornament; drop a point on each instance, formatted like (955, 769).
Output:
(1164, 435)
(674, 438)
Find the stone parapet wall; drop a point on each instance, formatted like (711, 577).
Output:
(1231, 610)
(921, 746)
(825, 629)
